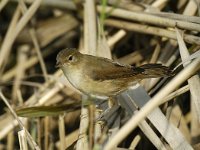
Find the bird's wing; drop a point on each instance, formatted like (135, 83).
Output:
(113, 70)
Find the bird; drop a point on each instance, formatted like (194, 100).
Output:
(103, 77)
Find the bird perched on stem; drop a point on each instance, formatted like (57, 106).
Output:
(98, 76)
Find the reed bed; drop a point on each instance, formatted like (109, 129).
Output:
(40, 109)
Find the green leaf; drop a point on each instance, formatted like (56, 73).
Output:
(41, 111)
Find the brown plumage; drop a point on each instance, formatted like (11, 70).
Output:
(104, 77)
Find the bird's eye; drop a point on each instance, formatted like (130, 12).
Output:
(70, 58)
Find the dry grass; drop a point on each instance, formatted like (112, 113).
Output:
(155, 114)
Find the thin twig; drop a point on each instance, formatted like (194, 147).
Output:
(7, 44)
(32, 33)
(176, 93)
(31, 141)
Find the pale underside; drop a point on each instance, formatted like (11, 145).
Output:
(103, 77)
(99, 88)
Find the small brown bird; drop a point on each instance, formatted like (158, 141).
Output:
(97, 76)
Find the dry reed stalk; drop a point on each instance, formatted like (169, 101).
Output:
(33, 60)
(176, 93)
(151, 135)
(125, 19)
(159, 4)
(32, 100)
(39, 129)
(155, 101)
(155, 54)
(22, 57)
(136, 98)
(46, 133)
(30, 140)
(132, 58)
(32, 33)
(155, 20)
(183, 17)
(69, 139)
(10, 139)
(55, 4)
(3, 4)
(7, 44)
(194, 82)
(22, 140)
(135, 142)
(116, 37)
(8, 37)
(132, 6)
(61, 128)
(147, 29)
(176, 117)
(90, 45)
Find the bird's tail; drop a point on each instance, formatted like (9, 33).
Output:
(156, 70)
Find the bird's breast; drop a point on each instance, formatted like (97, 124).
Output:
(74, 75)
(86, 84)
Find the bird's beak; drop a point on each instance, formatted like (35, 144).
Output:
(58, 64)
